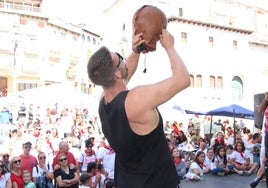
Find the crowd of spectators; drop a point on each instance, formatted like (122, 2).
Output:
(58, 137)
(52, 133)
(232, 149)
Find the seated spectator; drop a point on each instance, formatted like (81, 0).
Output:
(16, 172)
(208, 160)
(97, 178)
(43, 172)
(195, 172)
(6, 161)
(202, 145)
(256, 148)
(27, 179)
(64, 149)
(221, 165)
(242, 160)
(65, 175)
(28, 161)
(5, 176)
(86, 180)
(179, 163)
(196, 137)
(229, 135)
(85, 157)
(181, 139)
(219, 140)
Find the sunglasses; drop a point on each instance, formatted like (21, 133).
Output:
(5, 156)
(17, 161)
(120, 59)
(63, 159)
(27, 147)
(42, 157)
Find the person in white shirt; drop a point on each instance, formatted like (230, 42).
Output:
(221, 165)
(87, 156)
(209, 165)
(195, 172)
(106, 156)
(242, 160)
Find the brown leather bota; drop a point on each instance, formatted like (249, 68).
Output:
(149, 20)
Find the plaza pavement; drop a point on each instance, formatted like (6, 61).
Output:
(229, 181)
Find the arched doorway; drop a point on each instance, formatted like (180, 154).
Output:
(237, 89)
(3, 86)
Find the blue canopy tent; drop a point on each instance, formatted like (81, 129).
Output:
(233, 110)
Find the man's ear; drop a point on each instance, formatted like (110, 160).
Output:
(118, 75)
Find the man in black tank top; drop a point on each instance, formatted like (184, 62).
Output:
(130, 119)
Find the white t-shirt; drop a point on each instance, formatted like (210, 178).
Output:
(41, 170)
(209, 164)
(101, 184)
(85, 159)
(108, 159)
(194, 165)
(219, 160)
(230, 156)
(3, 180)
(241, 158)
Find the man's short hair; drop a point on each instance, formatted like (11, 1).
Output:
(101, 68)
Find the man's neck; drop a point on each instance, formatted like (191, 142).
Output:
(112, 92)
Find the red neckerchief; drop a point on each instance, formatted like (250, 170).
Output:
(177, 161)
(109, 148)
(202, 165)
(241, 153)
(220, 141)
(89, 153)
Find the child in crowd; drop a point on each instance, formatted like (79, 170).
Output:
(242, 160)
(222, 167)
(208, 160)
(27, 179)
(86, 180)
(179, 163)
(195, 172)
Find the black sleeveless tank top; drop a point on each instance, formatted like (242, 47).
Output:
(141, 161)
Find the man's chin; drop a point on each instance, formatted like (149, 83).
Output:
(148, 49)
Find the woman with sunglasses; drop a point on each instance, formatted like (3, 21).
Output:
(5, 181)
(43, 172)
(66, 176)
(16, 173)
(6, 161)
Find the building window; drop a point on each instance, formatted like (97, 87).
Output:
(88, 38)
(24, 86)
(83, 37)
(235, 44)
(199, 81)
(62, 34)
(212, 83)
(211, 41)
(180, 12)
(219, 82)
(183, 37)
(237, 89)
(192, 81)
